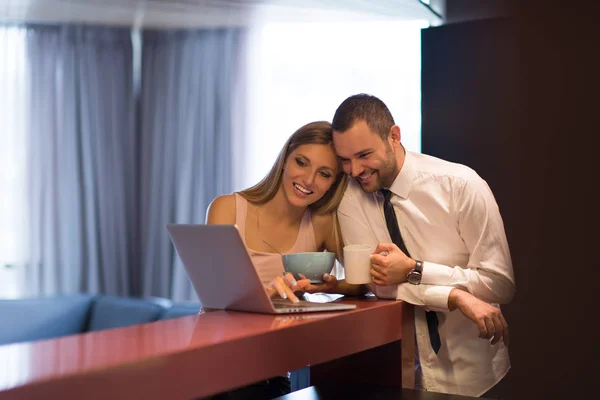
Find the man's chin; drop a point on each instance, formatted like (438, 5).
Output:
(369, 187)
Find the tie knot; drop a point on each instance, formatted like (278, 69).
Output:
(387, 194)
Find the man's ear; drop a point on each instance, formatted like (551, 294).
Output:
(394, 136)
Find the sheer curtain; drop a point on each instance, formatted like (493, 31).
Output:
(81, 160)
(94, 172)
(188, 142)
(13, 89)
(302, 71)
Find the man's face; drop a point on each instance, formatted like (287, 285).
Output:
(370, 160)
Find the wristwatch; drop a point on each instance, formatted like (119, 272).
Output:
(414, 276)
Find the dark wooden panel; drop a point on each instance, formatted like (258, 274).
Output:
(470, 99)
(516, 99)
(380, 365)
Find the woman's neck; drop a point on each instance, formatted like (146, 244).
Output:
(280, 209)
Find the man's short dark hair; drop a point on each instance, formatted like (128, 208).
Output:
(363, 107)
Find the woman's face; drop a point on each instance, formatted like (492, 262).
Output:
(309, 172)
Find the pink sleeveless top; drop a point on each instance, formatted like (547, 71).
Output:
(269, 265)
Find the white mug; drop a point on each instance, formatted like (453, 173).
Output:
(357, 263)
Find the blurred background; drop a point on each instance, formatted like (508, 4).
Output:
(119, 117)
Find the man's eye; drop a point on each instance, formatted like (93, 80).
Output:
(363, 155)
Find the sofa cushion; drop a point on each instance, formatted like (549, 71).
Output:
(181, 310)
(116, 312)
(43, 318)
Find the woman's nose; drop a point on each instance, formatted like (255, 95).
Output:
(309, 179)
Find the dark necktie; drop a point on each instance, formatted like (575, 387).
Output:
(394, 230)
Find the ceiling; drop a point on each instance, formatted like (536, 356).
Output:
(164, 14)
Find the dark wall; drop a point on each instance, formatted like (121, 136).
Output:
(468, 98)
(465, 10)
(516, 99)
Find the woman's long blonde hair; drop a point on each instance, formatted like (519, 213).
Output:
(319, 132)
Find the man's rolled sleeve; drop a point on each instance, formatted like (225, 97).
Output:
(433, 298)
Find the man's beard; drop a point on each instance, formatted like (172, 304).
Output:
(388, 171)
(385, 174)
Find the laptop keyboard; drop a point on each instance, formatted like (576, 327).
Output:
(302, 304)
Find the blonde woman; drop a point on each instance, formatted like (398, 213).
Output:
(291, 210)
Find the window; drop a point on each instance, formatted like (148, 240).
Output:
(301, 72)
(12, 155)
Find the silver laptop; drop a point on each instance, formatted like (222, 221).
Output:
(223, 274)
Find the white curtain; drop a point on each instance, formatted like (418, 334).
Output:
(13, 215)
(300, 72)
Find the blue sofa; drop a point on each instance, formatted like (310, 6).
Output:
(25, 320)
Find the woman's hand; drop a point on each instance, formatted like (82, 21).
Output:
(334, 286)
(329, 285)
(286, 285)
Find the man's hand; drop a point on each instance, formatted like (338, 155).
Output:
(389, 265)
(489, 319)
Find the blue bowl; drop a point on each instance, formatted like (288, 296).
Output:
(312, 265)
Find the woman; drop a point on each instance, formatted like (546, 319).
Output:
(291, 210)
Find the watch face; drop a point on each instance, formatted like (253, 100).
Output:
(414, 278)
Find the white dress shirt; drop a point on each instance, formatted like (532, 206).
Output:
(449, 219)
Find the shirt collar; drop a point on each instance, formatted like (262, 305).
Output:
(405, 178)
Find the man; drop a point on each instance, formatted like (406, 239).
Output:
(454, 250)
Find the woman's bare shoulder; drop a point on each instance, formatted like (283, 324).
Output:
(221, 210)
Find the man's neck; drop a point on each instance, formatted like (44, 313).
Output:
(400, 158)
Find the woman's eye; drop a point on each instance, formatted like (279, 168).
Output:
(325, 175)
(300, 162)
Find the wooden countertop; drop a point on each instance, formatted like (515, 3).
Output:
(193, 356)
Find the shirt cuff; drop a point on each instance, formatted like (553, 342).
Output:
(436, 297)
(436, 274)
(384, 292)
